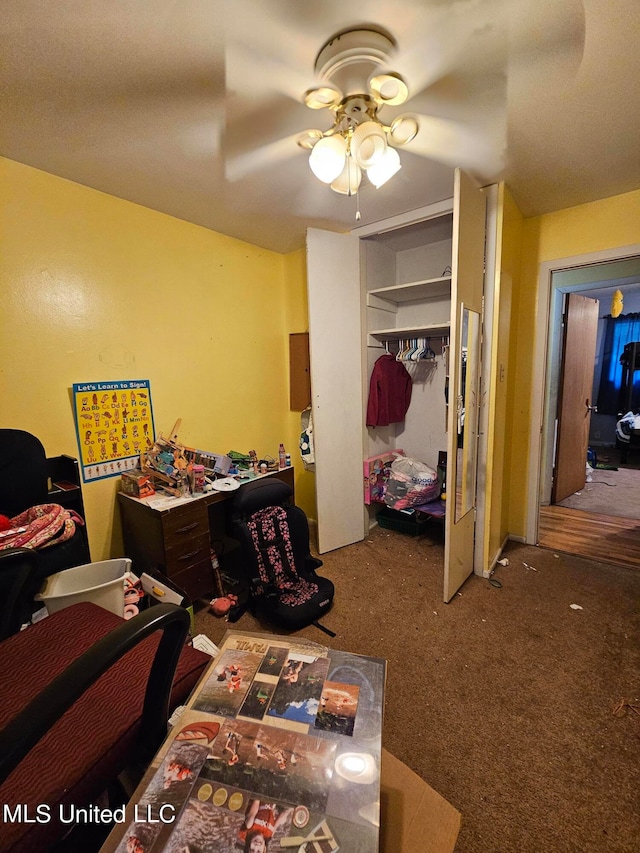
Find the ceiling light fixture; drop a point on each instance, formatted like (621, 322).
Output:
(355, 86)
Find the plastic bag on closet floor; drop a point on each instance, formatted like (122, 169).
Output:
(411, 483)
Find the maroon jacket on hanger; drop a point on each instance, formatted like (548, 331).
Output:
(389, 392)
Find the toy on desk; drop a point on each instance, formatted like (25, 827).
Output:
(243, 462)
(169, 466)
(172, 465)
(179, 461)
(137, 484)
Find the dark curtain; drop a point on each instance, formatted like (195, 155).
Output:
(619, 331)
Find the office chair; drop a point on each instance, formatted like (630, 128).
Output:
(18, 572)
(85, 696)
(24, 482)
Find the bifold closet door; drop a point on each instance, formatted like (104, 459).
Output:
(333, 282)
(467, 286)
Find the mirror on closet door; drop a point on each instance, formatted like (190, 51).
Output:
(467, 411)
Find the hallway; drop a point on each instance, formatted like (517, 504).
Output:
(610, 539)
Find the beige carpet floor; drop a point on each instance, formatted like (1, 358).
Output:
(503, 700)
(614, 493)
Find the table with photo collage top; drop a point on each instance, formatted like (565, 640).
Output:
(278, 748)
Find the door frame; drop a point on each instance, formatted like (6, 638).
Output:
(547, 359)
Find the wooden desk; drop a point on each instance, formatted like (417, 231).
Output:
(250, 738)
(176, 541)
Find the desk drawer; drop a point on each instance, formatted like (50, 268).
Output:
(188, 552)
(181, 526)
(197, 581)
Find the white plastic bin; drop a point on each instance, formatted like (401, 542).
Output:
(101, 583)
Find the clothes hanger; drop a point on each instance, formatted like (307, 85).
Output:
(429, 354)
(406, 355)
(422, 349)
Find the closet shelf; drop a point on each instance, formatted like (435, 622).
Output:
(387, 297)
(431, 330)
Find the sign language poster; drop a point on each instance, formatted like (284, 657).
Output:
(114, 424)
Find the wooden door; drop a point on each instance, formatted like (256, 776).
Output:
(335, 343)
(574, 406)
(467, 284)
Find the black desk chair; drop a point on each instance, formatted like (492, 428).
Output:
(24, 482)
(84, 697)
(18, 585)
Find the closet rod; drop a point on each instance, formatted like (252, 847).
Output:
(407, 337)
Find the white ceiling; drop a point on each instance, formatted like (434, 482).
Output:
(192, 107)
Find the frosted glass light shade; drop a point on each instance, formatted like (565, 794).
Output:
(327, 158)
(349, 179)
(385, 168)
(309, 138)
(389, 88)
(322, 97)
(403, 129)
(368, 143)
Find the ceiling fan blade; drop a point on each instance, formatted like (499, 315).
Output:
(479, 150)
(262, 157)
(469, 99)
(249, 70)
(489, 37)
(452, 37)
(266, 50)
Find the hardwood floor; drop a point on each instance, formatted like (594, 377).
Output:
(601, 537)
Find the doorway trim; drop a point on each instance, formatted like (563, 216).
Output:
(544, 340)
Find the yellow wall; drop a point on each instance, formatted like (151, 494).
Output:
(610, 223)
(95, 288)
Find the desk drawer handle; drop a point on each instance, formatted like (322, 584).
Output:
(188, 527)
(189, 555)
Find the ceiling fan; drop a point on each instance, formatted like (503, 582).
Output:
(439, 91)
(456, 119)
(357, 83)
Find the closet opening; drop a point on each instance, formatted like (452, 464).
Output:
(407, 298)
